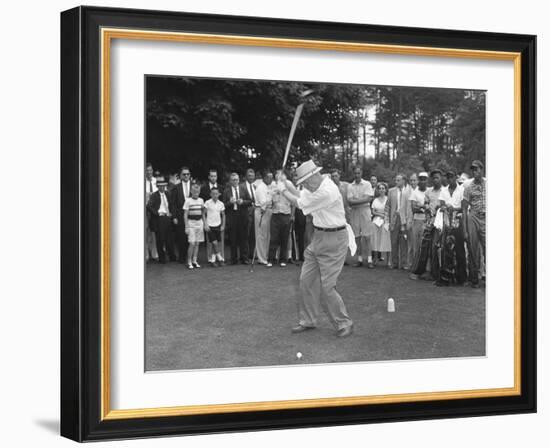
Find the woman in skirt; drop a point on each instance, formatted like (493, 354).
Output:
(381, 229)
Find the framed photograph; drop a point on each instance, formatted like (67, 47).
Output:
(276, 224)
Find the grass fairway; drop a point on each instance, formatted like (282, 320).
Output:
(229, 317)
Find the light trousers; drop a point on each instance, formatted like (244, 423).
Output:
(150, 242)
(476, 244)
(323, 262)
(415, 233)
(262, 234)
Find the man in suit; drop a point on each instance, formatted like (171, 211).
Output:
(237, 201)
(179, 194)
(398, 214)
(159, 208)
(150, 188)
(250, 188)
(208, 186)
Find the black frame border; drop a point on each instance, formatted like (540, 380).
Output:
(81, 223)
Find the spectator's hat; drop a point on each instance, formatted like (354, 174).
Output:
(476, 164)
(423, 174)
(450, 173)
(306, 170)
(161, 181)
(435, 171)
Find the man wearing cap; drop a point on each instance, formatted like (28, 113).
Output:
(325, 255)
(473, 209)
(428, 250)
(417, 201)
(453, 255)
(159, 208)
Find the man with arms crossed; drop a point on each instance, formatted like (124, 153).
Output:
(325, 255)
(360, 196)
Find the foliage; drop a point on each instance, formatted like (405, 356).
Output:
(233, 124)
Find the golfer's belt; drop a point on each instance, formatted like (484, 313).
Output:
(329, 229)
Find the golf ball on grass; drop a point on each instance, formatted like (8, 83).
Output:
(299, 355)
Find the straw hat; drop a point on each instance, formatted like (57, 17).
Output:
(306, 170)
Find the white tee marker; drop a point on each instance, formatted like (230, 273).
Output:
(391, 305)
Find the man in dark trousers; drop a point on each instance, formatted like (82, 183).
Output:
(179, 194)
(237, 201)
(159, 208)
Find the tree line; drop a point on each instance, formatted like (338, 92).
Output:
(235, 124)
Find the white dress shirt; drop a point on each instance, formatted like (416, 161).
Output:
(186, 188)
(163, 208)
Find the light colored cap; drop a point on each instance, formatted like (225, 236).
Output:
(306, 170)
(423, 174)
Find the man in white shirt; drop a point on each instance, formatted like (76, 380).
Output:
(325, 255)
(150, 241)
(262, 216)
(453, 254)
(360, 195)
(418, 204)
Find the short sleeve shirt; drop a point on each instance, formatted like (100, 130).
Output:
(324, 204)
(453, 200)
(474, 193)
(433, 197)
(213, 212)
(419, 197)
(280, 204)
(361, 190)
(194, 207)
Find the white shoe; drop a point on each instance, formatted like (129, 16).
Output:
(190, 266)
(196, 264)
(282, 265)
(268, 265)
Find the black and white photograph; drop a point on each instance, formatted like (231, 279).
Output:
(295, 223)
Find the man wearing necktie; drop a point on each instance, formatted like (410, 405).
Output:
(150, 188)
(251, 200)
(159, 208)
(179, 194)
(236, 209)
(398, 215)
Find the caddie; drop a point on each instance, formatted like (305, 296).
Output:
(325, 255)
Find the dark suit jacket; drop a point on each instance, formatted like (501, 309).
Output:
(205, 191)
(242, 209)
(153, 208)
(177, 201)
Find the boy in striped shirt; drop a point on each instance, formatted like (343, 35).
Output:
(194, 226)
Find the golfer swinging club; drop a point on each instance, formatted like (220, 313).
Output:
(325, 255)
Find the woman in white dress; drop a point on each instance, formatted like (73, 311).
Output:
(381, 230)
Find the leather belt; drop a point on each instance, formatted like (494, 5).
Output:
(329, 229)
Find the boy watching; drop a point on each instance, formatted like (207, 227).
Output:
(194, 227)
(214, 218)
